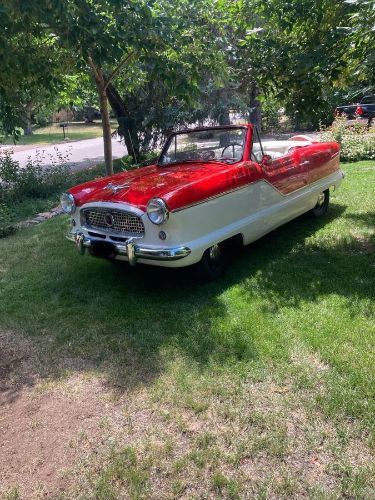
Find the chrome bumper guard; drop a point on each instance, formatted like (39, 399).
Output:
(132, 250)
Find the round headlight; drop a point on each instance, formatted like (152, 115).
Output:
(157, 211)
(68, 203)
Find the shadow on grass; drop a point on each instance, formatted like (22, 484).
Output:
(87, 314)
(292, 271)
(367, 218)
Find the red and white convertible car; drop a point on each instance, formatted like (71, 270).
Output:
(210, 185)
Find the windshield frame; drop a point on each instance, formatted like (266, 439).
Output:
(202, 129)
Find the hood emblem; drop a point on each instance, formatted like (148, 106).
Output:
(117, 187)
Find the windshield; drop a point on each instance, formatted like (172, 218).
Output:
(223, 144)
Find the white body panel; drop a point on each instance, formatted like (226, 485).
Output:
(252, 211)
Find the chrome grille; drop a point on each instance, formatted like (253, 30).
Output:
(120, 221)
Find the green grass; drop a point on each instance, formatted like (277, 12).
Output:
(260, 384)
(53, 134)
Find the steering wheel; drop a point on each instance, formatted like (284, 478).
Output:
(232, 145)
(207, 155)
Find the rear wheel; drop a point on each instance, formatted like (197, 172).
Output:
(212, 264)
(322, 204)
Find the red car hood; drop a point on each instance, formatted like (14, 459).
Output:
(178, 185)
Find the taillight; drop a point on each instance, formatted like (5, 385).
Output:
(359, 110)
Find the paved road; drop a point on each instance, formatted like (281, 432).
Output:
(79, 154)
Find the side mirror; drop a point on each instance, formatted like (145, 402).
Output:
(266, 161)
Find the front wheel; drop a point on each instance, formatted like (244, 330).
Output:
(322, 204)
(212, 264)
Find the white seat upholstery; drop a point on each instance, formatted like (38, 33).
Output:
(276, 149)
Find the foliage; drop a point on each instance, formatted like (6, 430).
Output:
(163, 89)
(362, 50)
(33, 182)
(298, 56)
(271, 114)
(6, 226)
(33, 179)
(127, 162)
(357, 143)
(178, 63)
(164, 45)
(32, 66)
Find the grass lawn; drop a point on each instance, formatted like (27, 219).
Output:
(54, 134)
(142, 383)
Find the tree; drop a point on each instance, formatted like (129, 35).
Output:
(32, 69)
(362, 42)
(108, 36)
(161, 89)
(163, 64)
(297, 57)
(100, 35)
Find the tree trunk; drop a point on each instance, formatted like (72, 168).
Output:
(126, 126)
(104, 110)
(28, 129)
(107, 136)
(255, 115)
(224, 117)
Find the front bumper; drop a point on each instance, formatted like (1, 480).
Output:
(132, 250)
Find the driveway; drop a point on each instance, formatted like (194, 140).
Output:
(79, 154)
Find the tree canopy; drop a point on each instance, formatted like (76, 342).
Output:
(163, 64)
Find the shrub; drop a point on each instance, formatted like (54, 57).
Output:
(271, 114)
(33, 181)
(127, 163)
(42, 119)
(357, 143)
(6, 226)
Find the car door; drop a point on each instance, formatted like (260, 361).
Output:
(287, 172)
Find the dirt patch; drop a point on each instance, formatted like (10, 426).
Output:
(37, 433)
(51, 424)
(18, 365)
(40, 417)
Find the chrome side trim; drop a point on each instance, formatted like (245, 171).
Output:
(132, 250)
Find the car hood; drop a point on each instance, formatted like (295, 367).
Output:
(178, 185)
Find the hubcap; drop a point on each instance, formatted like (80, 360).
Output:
(321, 199)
